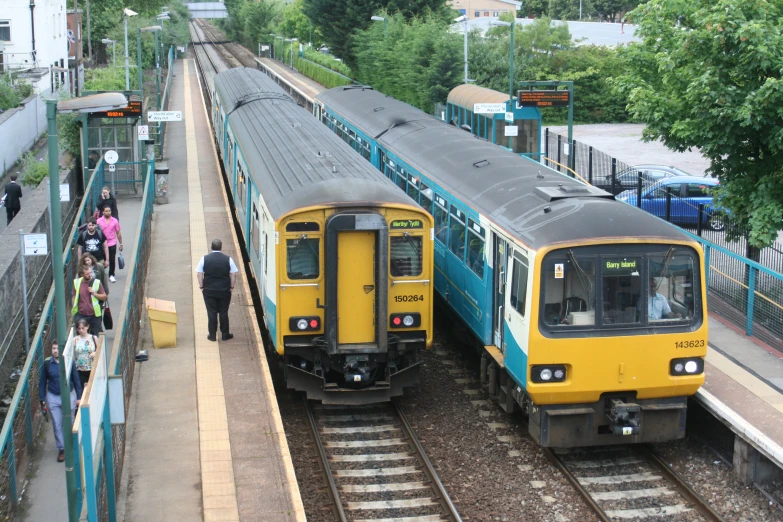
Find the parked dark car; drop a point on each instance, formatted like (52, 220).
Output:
(628, 179)
(687, 193)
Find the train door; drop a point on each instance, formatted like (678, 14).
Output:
(356, 260)
(500, 262)
(517, 313)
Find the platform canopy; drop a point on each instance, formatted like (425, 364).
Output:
(207, 10)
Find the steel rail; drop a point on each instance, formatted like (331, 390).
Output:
(429, 470)
(325, 468)
(552, 456)
(680, 485)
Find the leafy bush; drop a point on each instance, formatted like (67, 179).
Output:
(13, 92)
(108, 79)
(322, 75)
(328, 61)
(33, 171)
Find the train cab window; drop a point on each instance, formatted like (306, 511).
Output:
(570, 285)
(621, 289)
(303, 258)
(670, 294)
(476, 248)
(457, 238)
(401, 179)
(413, 187)
(441, 219)
(405, 255)
(426, 198)
(302, 226)
(518, 294)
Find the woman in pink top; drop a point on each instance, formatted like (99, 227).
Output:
(111, 229)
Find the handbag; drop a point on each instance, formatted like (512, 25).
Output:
(108, 322)
(120, 261)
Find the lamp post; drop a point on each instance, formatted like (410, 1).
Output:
(85, 104)
(311, 33)
(113, 48)
(292, 40)
(127, 12)
(155, 29)
(274, 39)
(378, 19)
(464, 20)
(510, 56)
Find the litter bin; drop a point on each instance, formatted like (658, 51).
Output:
(161, 183)
(163, 322)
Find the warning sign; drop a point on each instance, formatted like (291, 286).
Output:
(559, 270)
(144, 132)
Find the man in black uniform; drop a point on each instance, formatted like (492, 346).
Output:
(13, 195)
(217, 274)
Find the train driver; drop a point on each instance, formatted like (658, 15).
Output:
(657, 305)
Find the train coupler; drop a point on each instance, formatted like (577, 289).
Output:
(625, 418)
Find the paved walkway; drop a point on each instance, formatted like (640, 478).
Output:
(44, 498)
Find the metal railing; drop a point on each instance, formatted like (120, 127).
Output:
(597, 167)
(23, 419)
(160, 136)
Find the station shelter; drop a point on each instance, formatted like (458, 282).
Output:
(527, 120)
(116, 130)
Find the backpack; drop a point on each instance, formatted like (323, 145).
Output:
(83, 233)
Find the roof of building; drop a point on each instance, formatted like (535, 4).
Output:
(466, 95)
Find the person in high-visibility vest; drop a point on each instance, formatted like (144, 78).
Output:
(88, 293)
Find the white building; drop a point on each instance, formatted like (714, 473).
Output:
(34, 39)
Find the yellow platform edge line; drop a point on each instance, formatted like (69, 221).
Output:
(215, 474)
(746, 379)
(293, 485)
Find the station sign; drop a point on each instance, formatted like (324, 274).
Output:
(153, 116)
(143, 132)
(551, 98)
(511, 131)
(35, 245)
(489, 108)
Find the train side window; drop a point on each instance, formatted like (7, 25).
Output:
(389, 169)
(255, 230)
(401, 178)
(230, 155)
(303, 258)
(413, 187)
(241, 186)
(441, 219)
(382, 161)
(405, 255)
(476, 244)
(426, 198)
(457, 242)
(519, 284)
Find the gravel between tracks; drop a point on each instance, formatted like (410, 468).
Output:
(711, 478)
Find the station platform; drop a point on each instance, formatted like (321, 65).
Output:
(309, 88)
(205, 440)
(744, 390)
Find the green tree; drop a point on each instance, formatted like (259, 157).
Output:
(338, 20)
(567, 9)
(613, 9)
(707, 75)
(295, 23)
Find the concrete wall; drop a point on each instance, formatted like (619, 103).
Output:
(33, 218)
(20, 128)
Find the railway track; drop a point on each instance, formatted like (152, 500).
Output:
(630, 483)
(375, 467)
(232, 60)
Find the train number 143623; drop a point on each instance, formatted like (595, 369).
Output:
(408, 298)
(689, 344)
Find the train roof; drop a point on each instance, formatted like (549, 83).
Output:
(296, 161)
(523, 197)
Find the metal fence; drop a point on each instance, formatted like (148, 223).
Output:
(160, 135)
(745, 284)
(23, 419)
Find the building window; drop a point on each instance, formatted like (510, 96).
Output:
(5, 30)
(495, 14)
(486, 13)
(477, 14)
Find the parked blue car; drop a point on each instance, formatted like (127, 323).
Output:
(687, 193)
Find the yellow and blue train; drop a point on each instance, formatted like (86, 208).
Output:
(343, 261)
(591, 314)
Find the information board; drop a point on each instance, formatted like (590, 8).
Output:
(489, 108)
(550, 98)
(133, 110)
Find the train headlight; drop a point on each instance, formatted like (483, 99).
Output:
(410, 320)
(546, 373)
(686, 366)
(304, 324)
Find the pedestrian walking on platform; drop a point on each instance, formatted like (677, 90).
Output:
(107, 200)
(87, 296)
(217, 274)
(93, 242)
(12, 199)
(111, 230)
(84, 346)
(49, 394)
(98, 272)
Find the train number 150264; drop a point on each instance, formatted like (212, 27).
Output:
(408, 298)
